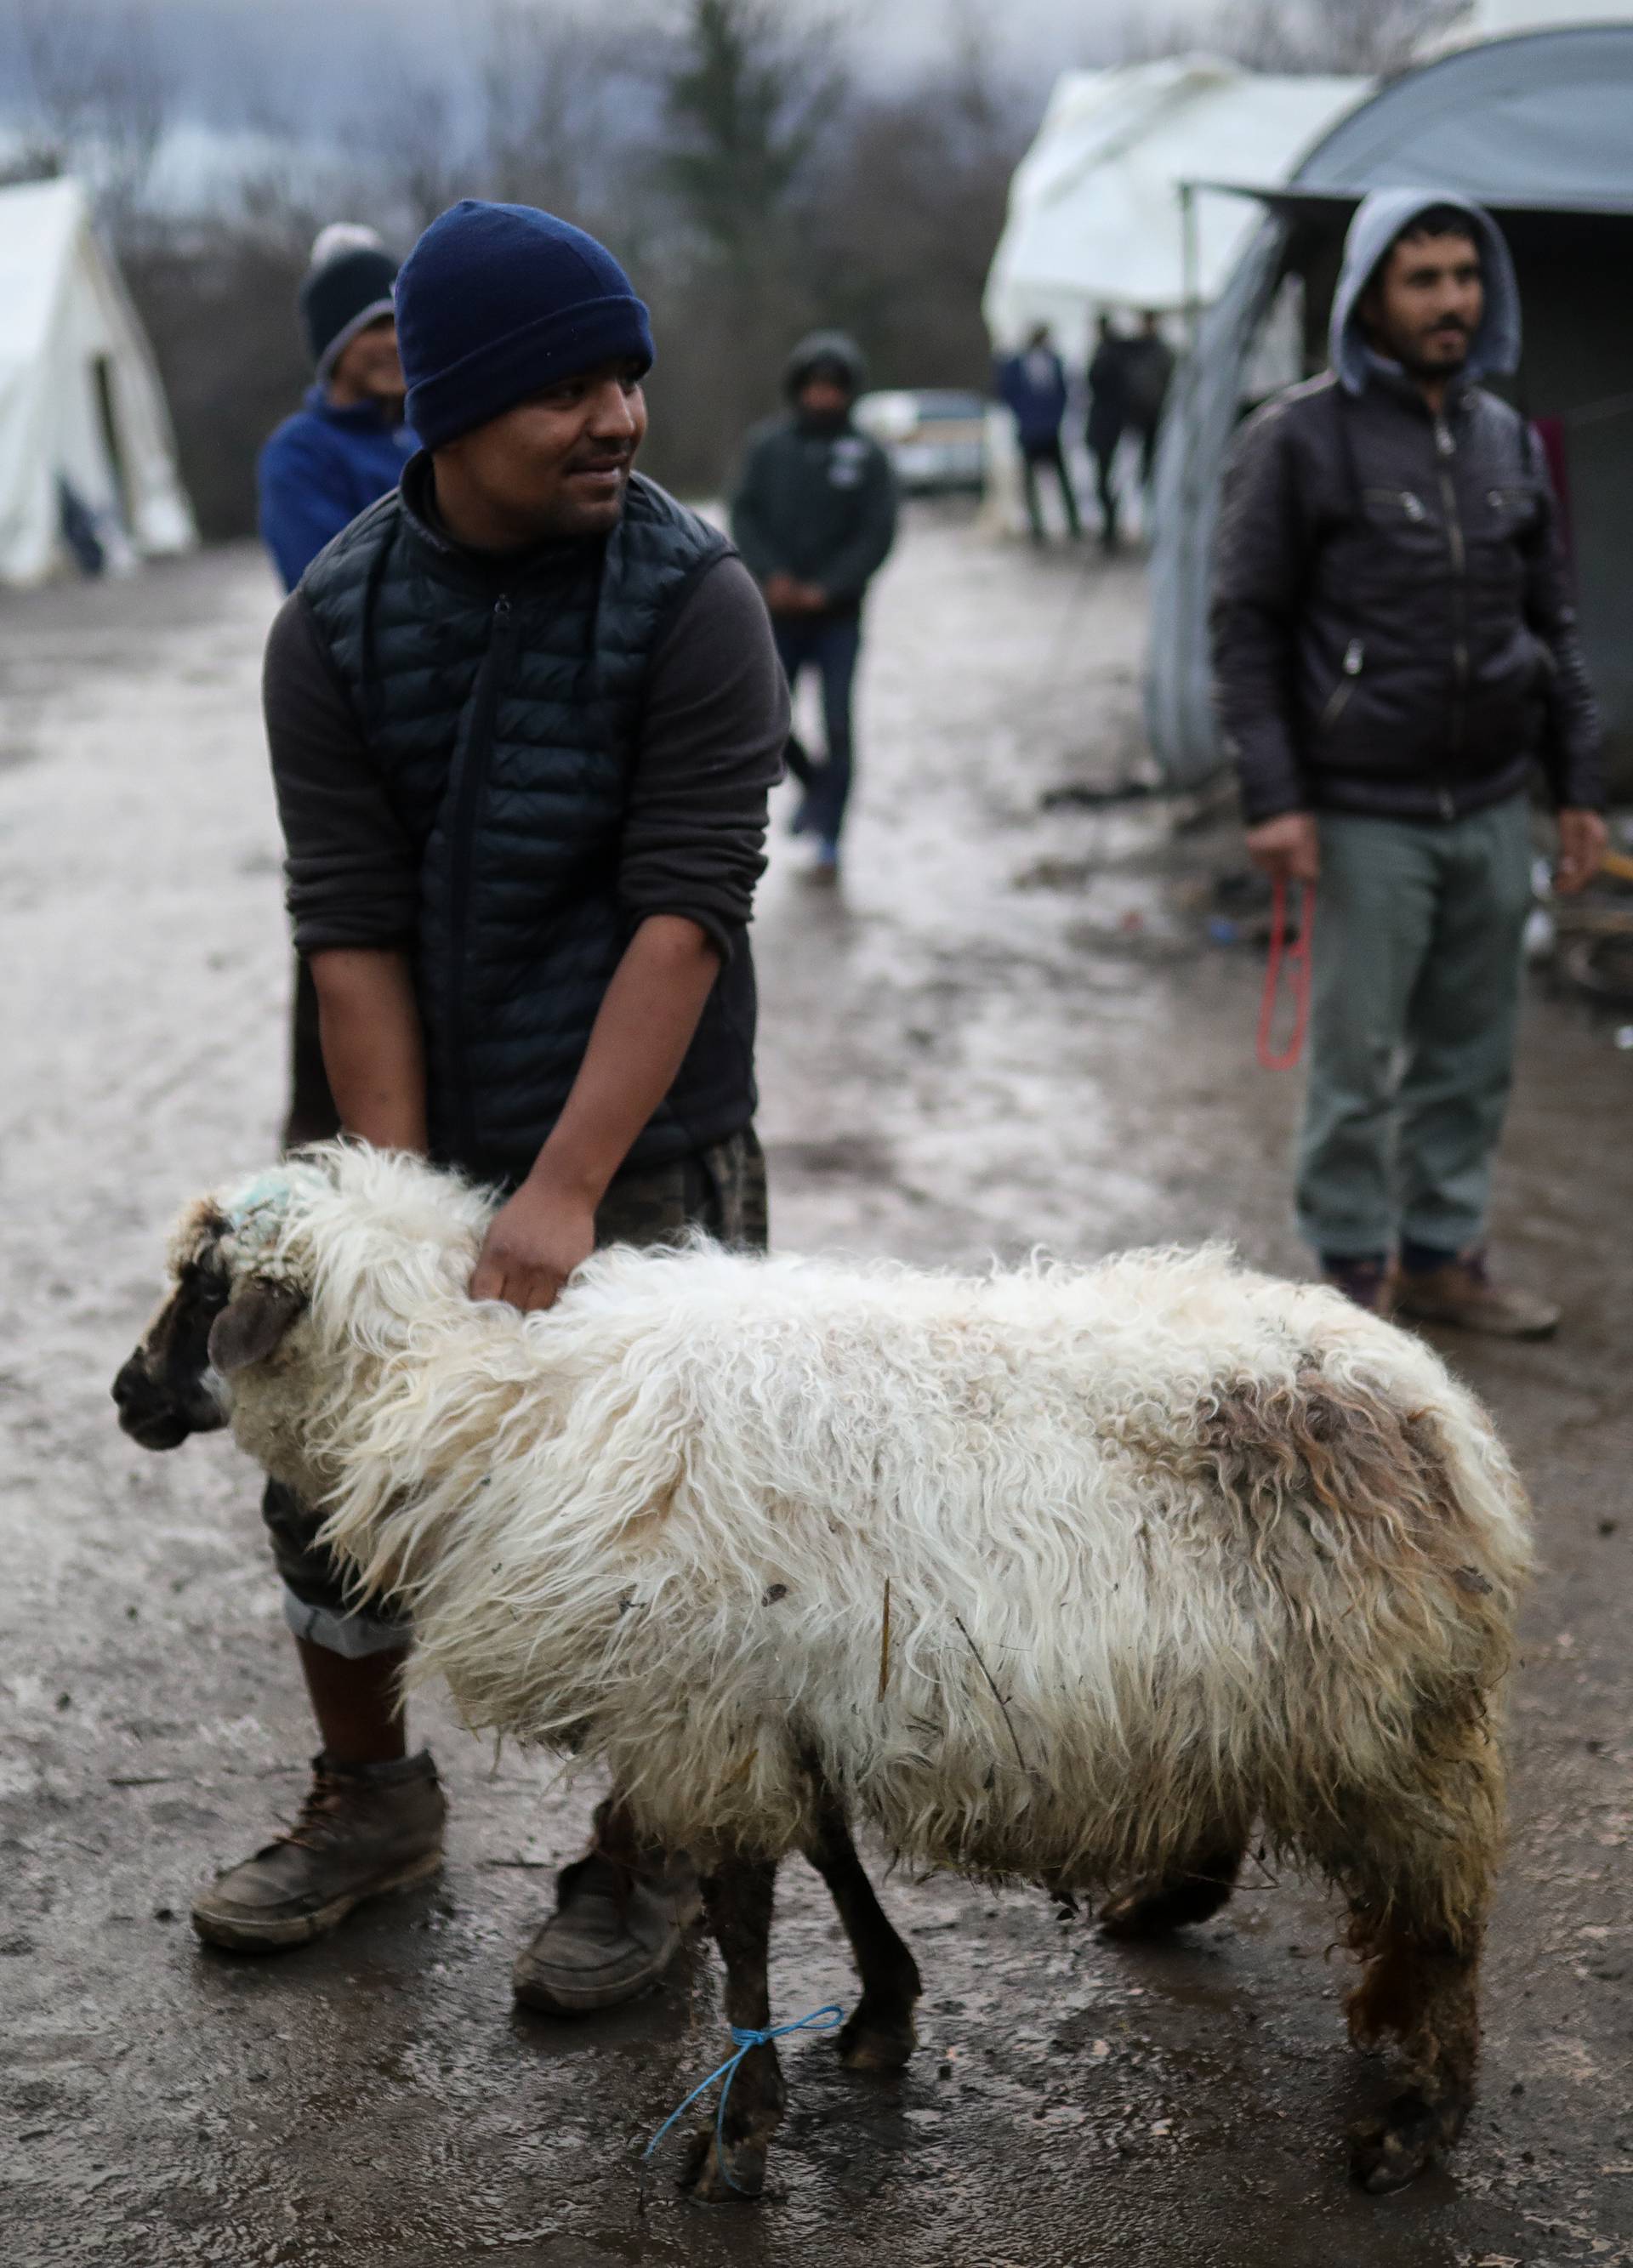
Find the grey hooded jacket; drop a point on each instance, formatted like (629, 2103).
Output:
(1393, 626)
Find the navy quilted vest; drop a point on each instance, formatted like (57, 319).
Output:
(502, 704)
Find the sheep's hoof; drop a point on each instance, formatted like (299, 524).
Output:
(1148, 1913)
(1388, 2152)
(869, 2043)
(741, 2175)
(1141, 1914)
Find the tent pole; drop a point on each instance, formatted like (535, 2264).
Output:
(1190, 257)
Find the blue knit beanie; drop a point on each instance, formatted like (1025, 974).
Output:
(497, 302)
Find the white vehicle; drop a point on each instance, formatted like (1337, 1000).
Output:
(935, 439)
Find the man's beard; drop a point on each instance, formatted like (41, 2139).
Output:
(1417, 363)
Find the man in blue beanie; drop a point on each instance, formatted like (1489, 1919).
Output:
(524, 717)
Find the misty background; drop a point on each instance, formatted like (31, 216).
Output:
(761, 166)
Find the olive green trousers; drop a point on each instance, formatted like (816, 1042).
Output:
(1415, 1004)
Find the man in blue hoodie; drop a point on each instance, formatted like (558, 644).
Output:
(1396, 657)
(347, 444)
(342, 450)
(1031, 386)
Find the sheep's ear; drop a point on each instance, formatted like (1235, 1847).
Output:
(251, 1324)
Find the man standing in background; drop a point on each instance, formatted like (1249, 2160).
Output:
(1147, 373)
(815, 517)
(342, 450)
(1108, 417)
(347, 444)
(1395, 650)
(1031, 386)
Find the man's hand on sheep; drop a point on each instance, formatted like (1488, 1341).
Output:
(532, 1245)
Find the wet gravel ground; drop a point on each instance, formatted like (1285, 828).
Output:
(1006, 1030)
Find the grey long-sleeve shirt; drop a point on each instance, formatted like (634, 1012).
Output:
(713, 730)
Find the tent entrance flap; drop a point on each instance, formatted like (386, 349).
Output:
(82, 412)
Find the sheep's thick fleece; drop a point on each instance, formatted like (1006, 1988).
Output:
(1052, 1571)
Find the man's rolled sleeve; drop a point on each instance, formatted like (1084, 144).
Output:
(351, 875)
(711, 736)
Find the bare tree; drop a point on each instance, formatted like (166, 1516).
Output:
(912, 212)
(552, 127)
(1370, 38)
(98, 103)
(747, 101)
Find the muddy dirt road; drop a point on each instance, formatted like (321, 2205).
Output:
(1004, 1033)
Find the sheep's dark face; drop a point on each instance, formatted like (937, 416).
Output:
(212, 1325)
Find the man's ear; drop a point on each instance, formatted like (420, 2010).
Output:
(252, 1324)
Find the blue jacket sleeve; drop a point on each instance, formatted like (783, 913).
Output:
(306, 499)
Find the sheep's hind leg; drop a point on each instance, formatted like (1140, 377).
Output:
(880, 2034)
(737, 1899)
(1194, 1893)
(1422, 1987)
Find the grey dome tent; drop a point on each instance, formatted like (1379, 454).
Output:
(1538, 129)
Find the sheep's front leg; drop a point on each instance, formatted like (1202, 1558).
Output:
(880, 2035)
(738, 1900)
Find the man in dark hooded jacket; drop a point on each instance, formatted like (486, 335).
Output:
(1395, 653)
(815, 517)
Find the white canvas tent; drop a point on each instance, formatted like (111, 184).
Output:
(1097, 222)
(80, 401)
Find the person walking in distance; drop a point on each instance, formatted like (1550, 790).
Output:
(814, 516)
(1031, 384)
(344, 447)
(1108, 418)
(1148, 375)
(524, 714)
(1395, 652)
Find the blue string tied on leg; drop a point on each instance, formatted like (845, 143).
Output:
(743, 2038)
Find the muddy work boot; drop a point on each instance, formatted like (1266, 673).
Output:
(363, 1828)
(1460, 1291)
(621, 1913)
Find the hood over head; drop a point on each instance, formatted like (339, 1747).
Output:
(1493, 351)
(818, 350)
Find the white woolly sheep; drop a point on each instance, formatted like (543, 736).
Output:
(1069, 1574)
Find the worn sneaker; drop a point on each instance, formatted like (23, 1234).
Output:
(1373, 1285)
(363, 1828)
(620, 1917)
(1460, 1291)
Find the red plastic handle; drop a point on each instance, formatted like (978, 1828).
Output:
(1295, 959)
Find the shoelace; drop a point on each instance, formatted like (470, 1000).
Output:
(320, 1815)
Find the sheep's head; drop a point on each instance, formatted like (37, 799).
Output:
(233, 1300)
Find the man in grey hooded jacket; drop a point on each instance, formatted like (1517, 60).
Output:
(1395, 654)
